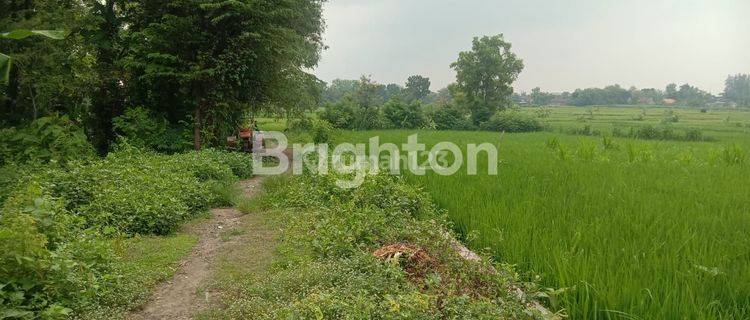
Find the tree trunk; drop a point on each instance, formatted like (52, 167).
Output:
(197, 129)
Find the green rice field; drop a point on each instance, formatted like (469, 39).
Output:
(617, 228)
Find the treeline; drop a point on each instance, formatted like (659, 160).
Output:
(479, 99)
(736, 93)
(196, 68)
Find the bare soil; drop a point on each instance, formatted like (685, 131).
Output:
(184, 296)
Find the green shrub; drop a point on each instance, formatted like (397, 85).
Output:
(451, 118)
(670, 117)
(402, 115)
(144, 128)
(326, 267)
(511, 121)
(56, 257)
(47, 264)
(321, 131)
(12, 176)
(345, 115)
(136, 192)
(53, 138)
(141, 127)
(693, 135)
(340, 115)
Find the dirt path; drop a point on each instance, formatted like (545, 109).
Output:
(180, 298)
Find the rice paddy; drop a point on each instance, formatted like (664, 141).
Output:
(617, 228)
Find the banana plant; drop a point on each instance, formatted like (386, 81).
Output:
(6, 62)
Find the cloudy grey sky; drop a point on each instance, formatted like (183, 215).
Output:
(564, 44)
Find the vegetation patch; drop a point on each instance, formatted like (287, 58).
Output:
(378, 251)
(65, 228)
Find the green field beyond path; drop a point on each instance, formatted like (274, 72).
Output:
(639, 229)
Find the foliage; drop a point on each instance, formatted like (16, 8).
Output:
(141, 127)
(670, 117)
(610, 95)
(340, 115)
(485, 75)
(47, 264)
(54, 138)
(56, 257)
(321, 131)
(451, 118)
(234, 58)
(340, 90)
(539, 98)
(664, 132)
(738, 89)
(326, 267)
(6, 63)
(404, 115)
(511, 121)
(417, 88)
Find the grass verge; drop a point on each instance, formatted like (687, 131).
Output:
(144, 262)
(375, 252)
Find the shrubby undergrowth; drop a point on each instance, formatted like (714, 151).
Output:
(47, 139)
(647, 132)
(512, 121)
(57, 222)
(326, 268)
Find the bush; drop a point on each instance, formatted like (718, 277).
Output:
(142, 127)
(450, 118)
(511, 121)
(55, 253)
(670, 117)
(47, 263)
(340, 115)
(327, 267)
(344, 115)
(136, 192)
(47, 139)
(321, 131)
(402, 115)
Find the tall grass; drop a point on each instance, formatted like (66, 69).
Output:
(653, 230)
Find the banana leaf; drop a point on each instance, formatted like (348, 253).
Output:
(6, 62)
(25, 33)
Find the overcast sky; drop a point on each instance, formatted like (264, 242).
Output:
(564, 44)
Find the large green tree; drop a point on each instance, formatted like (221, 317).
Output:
(231, 57)
(417, 87)
(485, 75)
(199, 63)
(45, 76)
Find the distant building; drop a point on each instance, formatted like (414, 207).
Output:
(669, 101)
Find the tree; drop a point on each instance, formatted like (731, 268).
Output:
(737, 89)
(671, 91)
(417, 87)
(339, 89)
(233, 57)
(692, 96)
(44, 76)
(6, 62)
(609, 95)
(540, 98)
(485, 75)
(391, 91)
(402, 115)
